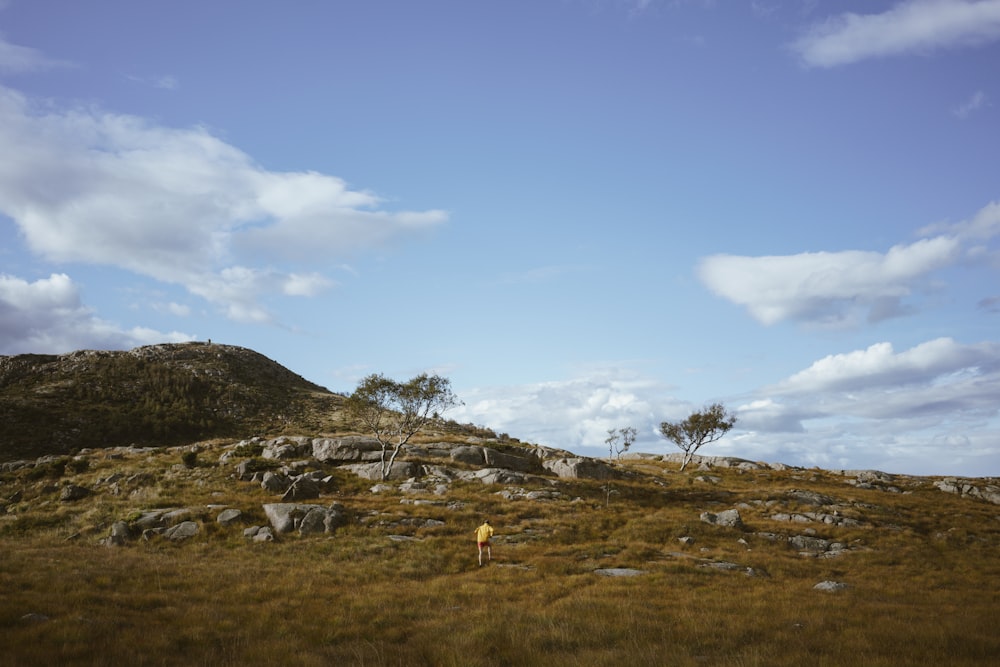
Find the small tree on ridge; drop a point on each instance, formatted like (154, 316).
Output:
(700, 428)
(395, 411)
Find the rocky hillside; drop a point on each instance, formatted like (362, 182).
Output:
(152, 395)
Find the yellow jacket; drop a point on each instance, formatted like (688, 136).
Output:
(484, 533)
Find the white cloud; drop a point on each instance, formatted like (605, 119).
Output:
(575, 414)
(880, 366)
(827, 288)
(48, 316)
(984, 225)
(180, 205)
(973, 104)
(914, 26)
(15, 59)
(931, 409)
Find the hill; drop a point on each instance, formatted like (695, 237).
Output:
(153, 395)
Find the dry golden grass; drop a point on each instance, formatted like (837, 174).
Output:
(922, 574)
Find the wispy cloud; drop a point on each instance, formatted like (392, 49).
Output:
(165, 82)
(970, 106)
(17, 59)
(914, 26)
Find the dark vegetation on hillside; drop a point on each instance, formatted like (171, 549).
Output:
(154, 395)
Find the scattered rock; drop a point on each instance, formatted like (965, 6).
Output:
(830, 586)
(182, 531)
(72, 492)
(119, 535)
(966, 488)
(728, 518)
(229, 517)
(619, 572)
(579, 468)
(303, 488)
(287, 517)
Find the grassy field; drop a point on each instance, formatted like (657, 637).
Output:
(921, 568)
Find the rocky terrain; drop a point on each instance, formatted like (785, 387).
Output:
(282, 535)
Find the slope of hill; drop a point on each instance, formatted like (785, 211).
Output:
(153, 395)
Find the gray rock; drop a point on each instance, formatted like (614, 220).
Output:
(830, 586)
(303, 488)
(287, 517)
(263, 535)
(287, 447)
(72, 492)
(579, 468)
(619, 572)
(182, 531)
(728, 518)
(119, 535)
(313, 522)
(275, 482)
(810, 497)
(175, 516)
(229, 517)
(807, 543)
(400, 470)
(350, 449)
(469, 455)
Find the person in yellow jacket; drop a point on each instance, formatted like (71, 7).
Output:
(483, 535)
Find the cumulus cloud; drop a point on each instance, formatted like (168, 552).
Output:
(879, 408)
(827, 288)
(180, 205)
(575, 414)
(881, 366)
(914, 26)
(47, 315)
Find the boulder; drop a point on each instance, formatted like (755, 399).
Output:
(303, 488)
(229, 516)
(830, 586)
(469, 455)
(809, 543)
(400, 470)
(350, 449)
(181, 531)
(72, 492)
(119, 535)
(275, 482)
(578, 468)
(728, 518)
(497, 459)
(306, 518)
(964, 487)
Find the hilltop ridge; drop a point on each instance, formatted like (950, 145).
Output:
(164, 394)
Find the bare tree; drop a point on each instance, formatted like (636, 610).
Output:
(395, 411)
(700, 428)
(618, 440)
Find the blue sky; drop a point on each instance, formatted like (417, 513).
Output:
(588, 214)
